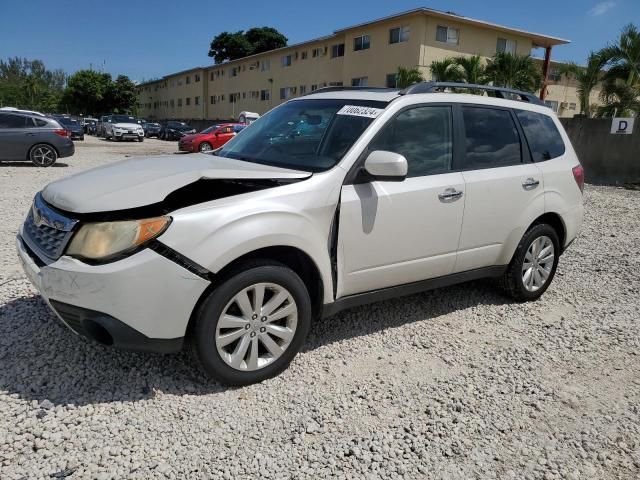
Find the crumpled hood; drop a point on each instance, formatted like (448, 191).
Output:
(139, 182)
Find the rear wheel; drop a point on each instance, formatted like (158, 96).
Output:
(251, 327)
(43, 155)
(141, 139)
(205, 147)
(534, 263)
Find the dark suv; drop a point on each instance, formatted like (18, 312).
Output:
(33, 137)
(174, 130)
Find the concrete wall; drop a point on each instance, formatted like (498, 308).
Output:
(607, 158)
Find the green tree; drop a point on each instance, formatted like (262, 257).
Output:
(28, 84)
(621, 82)
(586, 77)
(472, 69)
(514, 71)
(87, 92)
(231, 46)
(121, 96)
(445, 70)
(406, 77)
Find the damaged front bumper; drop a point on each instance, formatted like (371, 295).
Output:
(142, 302)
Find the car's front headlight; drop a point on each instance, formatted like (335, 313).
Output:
(105, 240)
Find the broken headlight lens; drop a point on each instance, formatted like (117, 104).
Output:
(103, 240)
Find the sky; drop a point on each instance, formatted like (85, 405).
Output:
(149, 39)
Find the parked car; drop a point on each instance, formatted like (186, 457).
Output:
(174, 130)
(151, 130)
(100, 125)
(210, 138)
(248, 117)
(123, 127)
(87, 124)
(76, 130)
(33, 137)
(329, 201)
(17, 110)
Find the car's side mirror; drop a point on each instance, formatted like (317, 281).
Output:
(386, 166)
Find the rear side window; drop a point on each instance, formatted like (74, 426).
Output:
(423, 136)
(492, 138)
(542, 135)
(14, 121)
(39, 122)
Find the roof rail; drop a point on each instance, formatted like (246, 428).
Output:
(358, 89)
(499, 92)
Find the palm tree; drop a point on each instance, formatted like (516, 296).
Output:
(408, 76)
(472, 69)
(514, 71)
(587, 78)
(621, 85)
(445, 70)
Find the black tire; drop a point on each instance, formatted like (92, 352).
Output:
(43, 155)
(207, 147)
(513, 281)
(141, 139)
(203, 331)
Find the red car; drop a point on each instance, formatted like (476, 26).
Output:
(211, 138)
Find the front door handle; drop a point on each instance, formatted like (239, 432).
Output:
(530, 183)
(450, 195)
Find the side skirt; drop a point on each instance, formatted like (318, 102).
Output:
(388, 293)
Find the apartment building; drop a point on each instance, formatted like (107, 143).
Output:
(367, 54)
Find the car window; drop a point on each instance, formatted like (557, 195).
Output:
(492, 138)
(542, 135)
(238, 128)
(14, 121)
(40, 122)
(423, 136)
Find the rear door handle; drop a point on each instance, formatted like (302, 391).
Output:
(450, 195)
(530, 183)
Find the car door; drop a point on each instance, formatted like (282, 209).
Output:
(393, 233)
(15, 140)
(504, 189)
(222, 136)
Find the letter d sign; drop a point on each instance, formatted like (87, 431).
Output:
(622, 126)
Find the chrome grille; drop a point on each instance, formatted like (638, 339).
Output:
(46, 231)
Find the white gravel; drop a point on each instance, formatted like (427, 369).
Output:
(454, 383)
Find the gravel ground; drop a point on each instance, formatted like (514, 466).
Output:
(454, 383)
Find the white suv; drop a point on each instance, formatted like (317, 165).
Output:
(331, 200)
(121, 127)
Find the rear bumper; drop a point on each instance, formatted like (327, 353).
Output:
(66, 149)
(142, 302)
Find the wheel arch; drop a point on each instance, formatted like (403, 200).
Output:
(555, 221)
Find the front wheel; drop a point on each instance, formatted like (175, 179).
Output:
(141, 139)
(534, 264)
(205, 147)
(251, 327)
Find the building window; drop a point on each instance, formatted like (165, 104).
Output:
(264, 95)
(196, 100)
(317, 52)
(304, 55)
(399, 34)
(212, 100)
(179, 102)
(286, 92)
(360, 82)
(188, 101)
(172, 103)
(337, 50)
(554, 74)
(314, 87)
(211, 76)
(188, 80)
(286, 61)
(197, 77)
(244, 95)
(265, 65)
(361, 43)
(572, 106)
(391, 80)
(234, 71)
(447, 35)
(506, 46)
(552, 104)
(303, 89)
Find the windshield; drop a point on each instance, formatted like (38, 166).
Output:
(306, 135)
(67, 121)
(210, 129)
(123, 119)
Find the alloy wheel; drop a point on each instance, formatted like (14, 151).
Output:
(256, 326)
(538, 263)
(43, 156)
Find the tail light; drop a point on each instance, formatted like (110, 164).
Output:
(578, 175)
(62, 132)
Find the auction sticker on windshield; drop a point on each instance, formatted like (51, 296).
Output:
(359, 111)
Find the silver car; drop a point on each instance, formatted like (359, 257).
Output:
(33, 137)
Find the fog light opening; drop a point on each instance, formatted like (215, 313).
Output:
(97, 332)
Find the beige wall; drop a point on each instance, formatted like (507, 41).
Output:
(375, 63)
